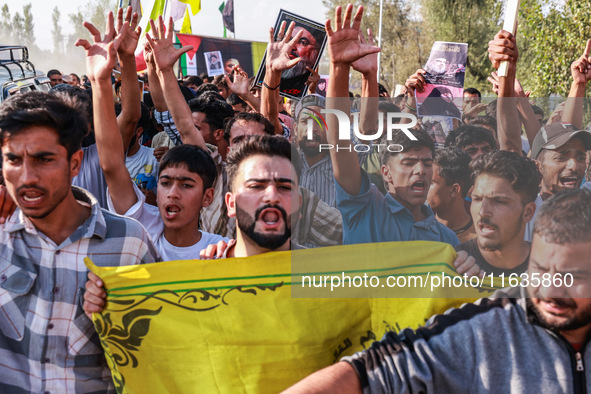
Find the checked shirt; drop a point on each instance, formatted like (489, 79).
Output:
(47, 344)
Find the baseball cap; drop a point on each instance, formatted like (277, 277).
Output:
(310, 100)
(554, 135)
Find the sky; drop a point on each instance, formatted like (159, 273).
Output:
(252, 18)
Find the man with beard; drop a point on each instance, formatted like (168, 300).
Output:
(263, 195)
(559, 151)
(505, 187)
(307, 49)
(537, 343)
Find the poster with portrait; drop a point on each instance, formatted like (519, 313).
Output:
(309, 48)
(214, 63)
(446, 68)
(322, 85)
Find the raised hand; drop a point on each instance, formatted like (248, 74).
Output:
(581, 68)
(240, 84)
(503, 47)
(415, 82)
(164, 52)
(369, 63)
(279, 52)
(101, 55)
(128, 32)
(344, 45)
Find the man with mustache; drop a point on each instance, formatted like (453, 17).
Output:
(307, 49)
(263, 195)
(505, 187)
(535, 343)
(559, 151)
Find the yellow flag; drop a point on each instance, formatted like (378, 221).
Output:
(195, 5)
(186, 27)
(254, 324)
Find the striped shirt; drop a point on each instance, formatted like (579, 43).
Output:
(47, 343)
(319, 179)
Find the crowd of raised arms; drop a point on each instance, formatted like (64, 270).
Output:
(220, 168)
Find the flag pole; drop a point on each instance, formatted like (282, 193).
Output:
(380, 39)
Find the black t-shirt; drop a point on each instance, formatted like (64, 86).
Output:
(471, 247)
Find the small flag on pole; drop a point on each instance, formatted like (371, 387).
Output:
(228, 15)
(222, 7)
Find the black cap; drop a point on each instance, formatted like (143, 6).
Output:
(554, 135)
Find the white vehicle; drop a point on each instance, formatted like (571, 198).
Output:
(17, 73)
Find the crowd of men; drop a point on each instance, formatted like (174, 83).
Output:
(226, 169)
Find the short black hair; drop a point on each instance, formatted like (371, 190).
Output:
(537, 110)
(197, 160)
(266, 145)
(220, 82)
(53, 71)
(205, 88)
(216, 111)
(58, 111)
(234, 99)
(521, 172)
(249, 117)
(84, 97)
(454, 167)
(485, 120)
(422, 140)
(466, 135)
(473, 91)
(193, 80)
(565, 217)
(491, 109)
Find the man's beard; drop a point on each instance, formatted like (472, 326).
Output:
(581, 319)
(297, 70)
(247, 225)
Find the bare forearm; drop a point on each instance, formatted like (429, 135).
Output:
(338, 378)
(130, 99)
(344, 161)
(156, 89)
(270, 100)
(179, 109)
(110, 147)
(573, 109)
(508, 122)
(369, 103)
(252, 101)
(528, 118)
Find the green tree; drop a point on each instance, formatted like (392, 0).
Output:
(474, 22)
(57, 31)
(18, 23)
(5, 24)
(28, 33)
(551, 36)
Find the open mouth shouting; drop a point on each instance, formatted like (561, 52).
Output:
(31, 198)
(419, 187)
(569, 182)
(486, 228)
(271, 218)
(171, 211)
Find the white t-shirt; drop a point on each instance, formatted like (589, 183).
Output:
(143, 167)
(149, 216)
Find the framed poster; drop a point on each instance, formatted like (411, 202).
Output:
(309, 48)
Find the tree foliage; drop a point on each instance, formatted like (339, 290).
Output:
(56, 32)
(551, 36)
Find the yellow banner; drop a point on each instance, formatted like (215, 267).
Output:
(235, 325)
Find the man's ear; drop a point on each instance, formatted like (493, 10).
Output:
(529, 211)
(76, 162)
(218, 135)
(456, 190)
(230, 204)
(207, 197)
(386, 175)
